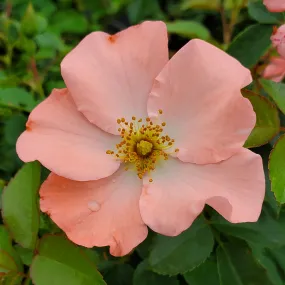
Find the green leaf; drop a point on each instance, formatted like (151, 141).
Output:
(7, 264)
(260, 13)
(276, 170)
(2, 184)
(142, 9)
(11, 278)
(251, 44)
(143, 249)
(266, 232)
(197, 241)
(118, 274)
(236, 266)
(211, 4)
(206, 273)
(6, 245)
(13, 127)
(68, 21)
(276, 91)
(144, 276)
(25, 254)
(267, 120)
(61, 262)
(91, 254)
(50, 40)
(20, 205)
(18, 98)
(273, 260)
(32, 23)
(188, 29)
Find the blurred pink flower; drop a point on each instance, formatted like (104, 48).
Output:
(275, 70)
(182, 125)
(275, 5)
(278, 40)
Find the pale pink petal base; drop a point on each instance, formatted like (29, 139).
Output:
(110, 77)
(199, 93)
(97, 213)
(275, 5)
(275, 70)
(179, 191)
(65, 142)
(278, 40)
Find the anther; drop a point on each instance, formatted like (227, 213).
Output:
(160, 111)
(150, 180)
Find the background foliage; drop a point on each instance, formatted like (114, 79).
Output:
(34, 37)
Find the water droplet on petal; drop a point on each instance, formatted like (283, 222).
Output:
(94, 206)
(114, 180)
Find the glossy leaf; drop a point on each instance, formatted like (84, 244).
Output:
(141, 9)
(144, 276)
(6, 246)
(69, 21)
(20, 205)
(17, 97)
(206, 273)
(25, 254)
(7, 264)
(242, 48)
(276, 170)
(273, 261)
(211, 4)
(188, 29)
(11, 279)
(267, 120)
(266, 232)
(260, 13)
(237, 266)
(167, 252)
(61, 262)
(13, 127)
(276, 91)
(117, 274)
(32, 23)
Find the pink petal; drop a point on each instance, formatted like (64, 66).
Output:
(179, 191)
(65, 142)
(275, 5)
(97, 213)
(278, 40)
(111, 76)
(204, 111)
(275, 70)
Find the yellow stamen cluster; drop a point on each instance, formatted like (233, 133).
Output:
(142, 145)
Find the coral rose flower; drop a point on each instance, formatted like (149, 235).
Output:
(275, 70)
(138, 140)
(278, 40)
(275, 5)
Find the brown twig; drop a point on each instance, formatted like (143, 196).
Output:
(8, 9)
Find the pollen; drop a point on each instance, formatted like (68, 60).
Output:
(143, 145)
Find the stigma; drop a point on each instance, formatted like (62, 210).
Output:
(143, 144)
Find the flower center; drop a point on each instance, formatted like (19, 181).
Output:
(142, 144)
(144, 148)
